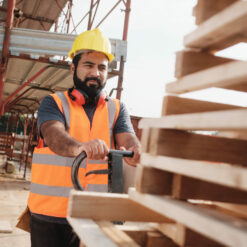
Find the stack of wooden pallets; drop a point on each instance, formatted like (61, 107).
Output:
(192, 185)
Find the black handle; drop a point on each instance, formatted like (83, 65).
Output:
(78, 159)
(74, 170)
(124, 153)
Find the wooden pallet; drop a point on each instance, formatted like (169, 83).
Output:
(193, 170)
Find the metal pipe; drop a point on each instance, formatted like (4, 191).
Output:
(5, 51)
(21, 87)
(109, 12)
(125, 35)
(89, 25)
(126, 20)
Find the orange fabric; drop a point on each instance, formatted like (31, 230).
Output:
(56, 206)
(60, 176)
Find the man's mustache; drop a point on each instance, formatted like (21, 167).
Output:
(93, 79)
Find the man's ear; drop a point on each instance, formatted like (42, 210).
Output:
(72, 68)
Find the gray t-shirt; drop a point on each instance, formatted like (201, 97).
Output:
(48, 110)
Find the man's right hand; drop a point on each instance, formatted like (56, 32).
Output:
(96, 149)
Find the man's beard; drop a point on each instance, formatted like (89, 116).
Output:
(93, 90)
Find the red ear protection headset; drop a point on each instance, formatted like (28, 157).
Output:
(81, 99)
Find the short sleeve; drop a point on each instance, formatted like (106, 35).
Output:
(48, 110)
(123, 123)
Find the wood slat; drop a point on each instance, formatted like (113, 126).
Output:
(216, 120)
(184, 236)
(116, 207)
(189, 61)
(116, 235)
(159, 182)
(218, 173)
(217, 226)
(90, 233)
(179, 105)
(224, 29)
(194, 146)
(226, 75)
(206, 9)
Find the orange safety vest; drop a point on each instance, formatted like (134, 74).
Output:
(51, 174)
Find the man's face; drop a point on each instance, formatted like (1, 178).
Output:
(91, 72)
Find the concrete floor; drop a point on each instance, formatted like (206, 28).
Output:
(13, 199)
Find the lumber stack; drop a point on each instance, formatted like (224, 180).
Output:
(192, 186)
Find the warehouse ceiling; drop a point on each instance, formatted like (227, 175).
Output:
(32, 49)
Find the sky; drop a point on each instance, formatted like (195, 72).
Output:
(156, 32)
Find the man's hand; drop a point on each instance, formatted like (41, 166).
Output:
(128, 141)
(96, 149)
(137, 154)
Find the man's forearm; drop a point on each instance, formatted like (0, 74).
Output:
(59, 140)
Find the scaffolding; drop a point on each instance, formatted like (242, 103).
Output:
(33, 58)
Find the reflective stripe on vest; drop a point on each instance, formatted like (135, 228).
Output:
(50, 180)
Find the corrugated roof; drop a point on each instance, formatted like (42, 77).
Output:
(37, 14)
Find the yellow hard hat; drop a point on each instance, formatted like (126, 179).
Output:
(91, 40)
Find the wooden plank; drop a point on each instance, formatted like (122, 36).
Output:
(90, 233)
(206, 9)
(188, 145)
(185, 187)
(222, 76)
(137, 232)
(233, 209)
(219, 173)
(159, 240)
(217, 226)
(216, 120)
(116, 235)
(189, 61)
(183, 236)
(178, 105)
(5, 227)
(110, 207)
(226, 28)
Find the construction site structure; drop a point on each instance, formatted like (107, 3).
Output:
(190, 186)
(35, 38)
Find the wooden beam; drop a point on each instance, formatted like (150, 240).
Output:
(183, 236)
(188, 145)
(90, 233)
(183, 187)
(137, 232)
(189, 61)
(206, 9)
(216, 120)
(222, 76)
(158, 240)
(110, 207)
(116, 235)
(179, 105)
(217, 226)
(218, 173)
(226, 28)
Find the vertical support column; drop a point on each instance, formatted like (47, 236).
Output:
(89, 25)
(125, 34)
(5, 50)
(69, 15)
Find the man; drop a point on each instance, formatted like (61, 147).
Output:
(81, 119)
